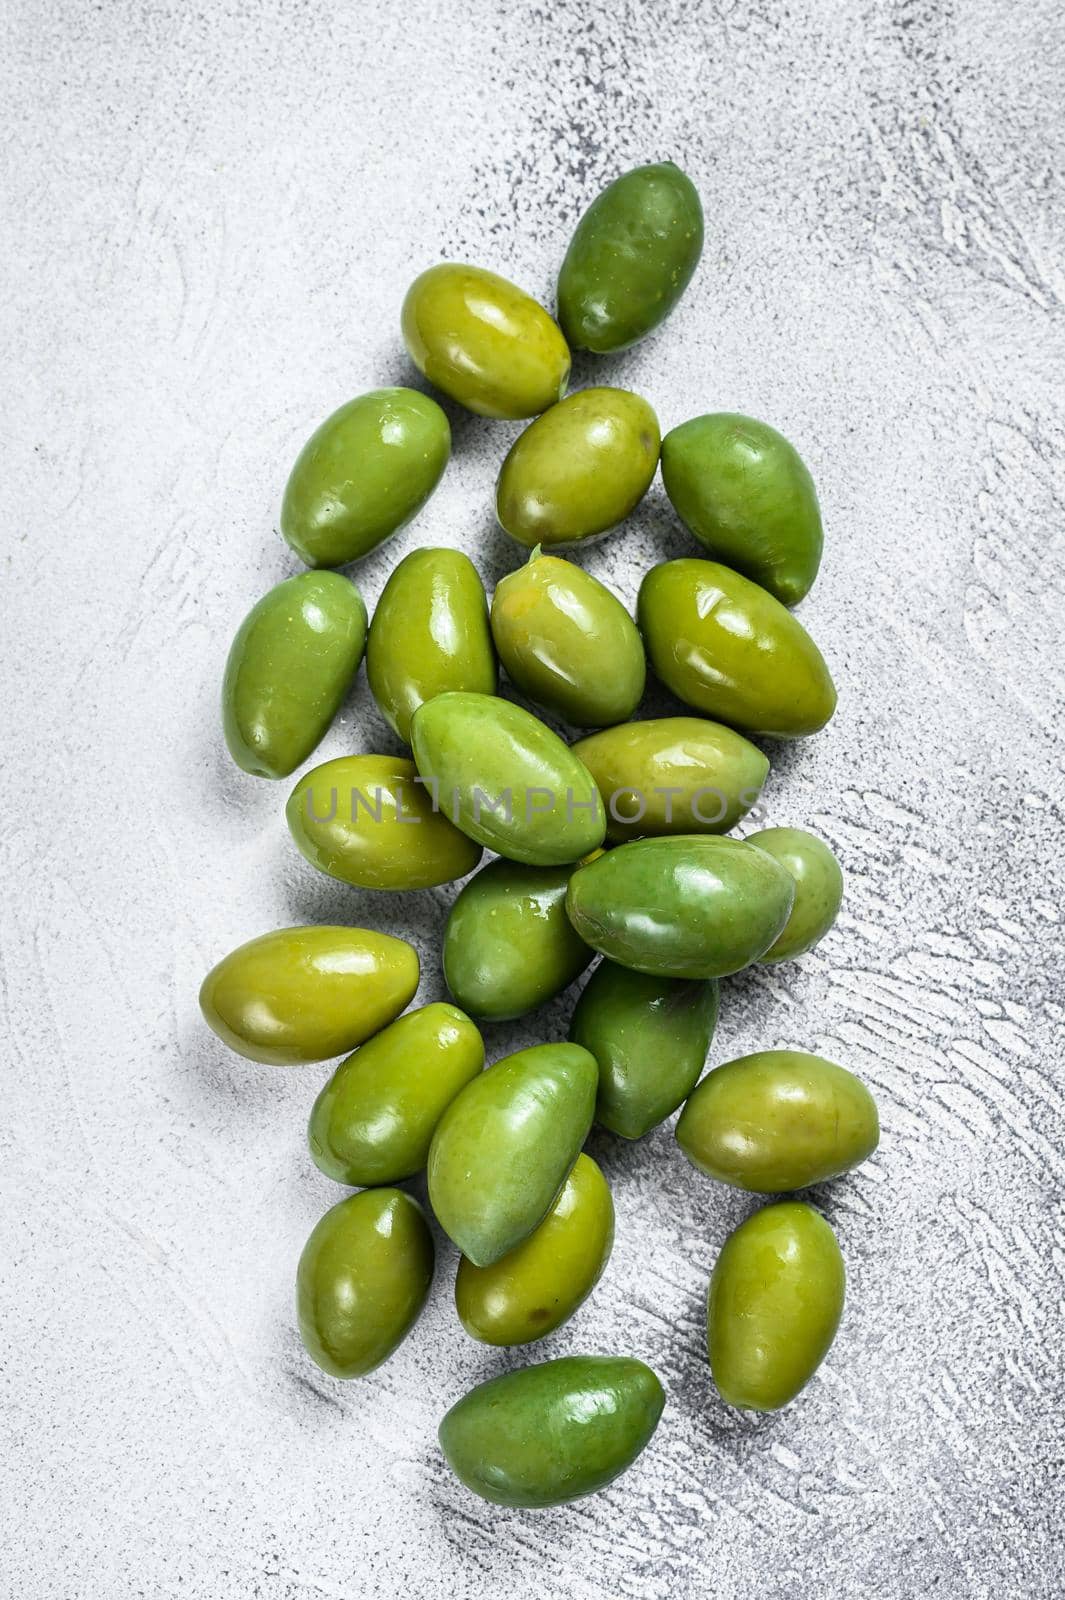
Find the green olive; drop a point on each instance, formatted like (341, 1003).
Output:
(306, 994)
(728, 648)
(373, 1121)
(649, 1037)
(578, 469)
(509, 945)
(506, 780)
(746, 495)
(368, 821)
(568, 643)
(673, 775)
(429, 634)
(367, 470)
(363, 1278)
(818, 889)
(290, 666)
(538, 1285)
(631, 258)
(775, 1303)
(777, 1121)
(484, 342)
(550, 1433)
(503, 1147)
(692, 906)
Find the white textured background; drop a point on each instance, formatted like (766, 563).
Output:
(211, 213)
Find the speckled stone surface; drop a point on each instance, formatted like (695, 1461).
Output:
(210, 215)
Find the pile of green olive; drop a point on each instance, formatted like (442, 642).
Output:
(614, 846)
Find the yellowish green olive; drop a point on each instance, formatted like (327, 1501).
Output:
(503, 1147)
(728, 648)
(362, 1281)
(306, 994)
(777, 1121)
(429, 634)
(568, 643)
(506, 780)
(484, 342)
(818, 889)
(579, 469)
(289, 667)
(538, 1285)
(775, 1303)
(673, 775)
(373, 1121)
(368, 821)
(365, 472)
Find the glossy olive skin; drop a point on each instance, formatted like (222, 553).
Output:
(553, 1432)
(630, 259)
(375, 1118)
(538, 1285)
(649, 1037)
(484, 342)
(579, 469)
(775, 1303)
(509, 945)
(568, 643)
(692, 906)
(506, 780)
(818, 889)
(727, 647)
(290, 665)
(367, 821)
(503, 1147)
(366, 471)
(778, 1120)
(429, 634)
(673, 775)
(306, 994)
(745, 493)
(362, 1281)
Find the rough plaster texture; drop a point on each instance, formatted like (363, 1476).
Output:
(211, 212)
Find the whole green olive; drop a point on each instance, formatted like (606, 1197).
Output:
(373, 1121)
(568, 643)
(363, 1278)
(368, 821)
(818, 889)
(538, 1285)
(728, 648)
(692, 906)
(553, 1432)
(509, 945)
(746, 495)
(673, 775)
(484, 342)
(305, 994)
(775, 1303)
(429, 634)
(503, 1147)
(365, 472)
(631, 258)
(777, 1121)
(289, 667)
(506, 780)
(579, 469)
(649, 1037)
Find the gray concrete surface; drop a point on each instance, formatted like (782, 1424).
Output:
(210, 215)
